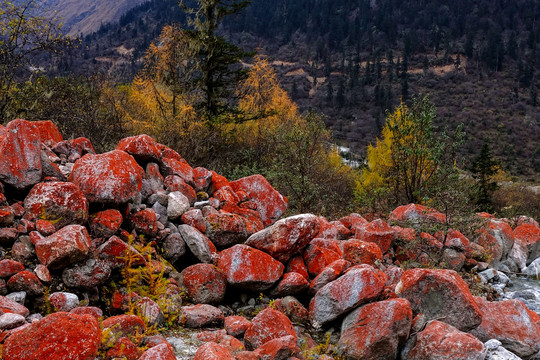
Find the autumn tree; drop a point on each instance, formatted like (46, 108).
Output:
(216, 62)
(23, 37)
(407, 161)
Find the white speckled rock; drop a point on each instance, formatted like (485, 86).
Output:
(177, 205)
(11, 321)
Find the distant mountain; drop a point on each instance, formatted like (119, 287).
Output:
(84, 17)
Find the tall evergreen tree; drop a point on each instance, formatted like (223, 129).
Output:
(483, 169)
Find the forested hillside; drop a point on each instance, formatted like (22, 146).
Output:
(354, 60)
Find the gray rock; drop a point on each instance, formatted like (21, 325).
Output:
(177, 205)
(495, 351)
(150, 311)
(161, 212)
(174, 247)
(533, 270)
(197, 243)
(11, 321)
(519, 255)
(18, 296)
(88, 275)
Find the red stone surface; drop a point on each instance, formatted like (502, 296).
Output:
(320, 253)
(9, 268)
(88, 310)
(490, 244)
(7, 215)
(66, 246)
(25, 281)
(59, 336)
(444, 342)
(281, 348)
(114, 251)
(159, 352)
(220, 337)
(296, 264)
(334, 230)
(415, 212)
(141, 147)
(503, 234)
(202, 178)
(218, 181)
(205, 283)
(528, 235)
(144, 222)
(124, 349)
(378, 232)
(181, 168)
(20, 163)
(292, 283)
(48, 132)
(79, 146)
(236, 325)
(440, 294)
(360, 284)
(269, 324)
(376, 330)
(119, 326)
(328, 274)
(361, 252)
(176, 183)
(213, 351)
(60, 203)
(194, 217)
(249, 268)
(111, 178)
(287, 236)
(201, 315)
(105, 223)
(225, 229)
(270, 203)
(510, 322)
(45, 227)
(352, 221)
(9, 306)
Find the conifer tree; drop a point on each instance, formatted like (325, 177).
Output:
(483, 169)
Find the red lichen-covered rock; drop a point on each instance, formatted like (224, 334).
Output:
(334, 230)
(281, 348)
(66, 246)
(205, 283)
(360, 284)
(176, 183)
(181, 168)
(220, 337)
(25, 281)
(150, 311)
(270, 203)
(440, 294)
(159, 352)
(124, 349)
(110, 178)
(114, 252)
(292, 283)
(202, 178)
(7, 215)
(415, 212)
(119, 326)
(48, 132)
(141, 147)
(60, 203)
(528, 236)
(293, 308)
(194, 217)
(218, 181)
(226, 195)
(320, 253)
(9, 306)
(9, 268)
(105, 223)
(59, 336)
(43, 273)
(492, 247)
(296, 264)
(144, 222)
(92, 273)
(361, 252)
(329, 274)
(287, 236)
(201, 315)
(377, 232)
(20, 163)
(503, 234)
(249, 268)
(88, 310)
(510, 322)
(444, 342)
(236, 325)
(45, 227)
(267, 325)
(64, 301)
(376, 330)
(225, 229)
(213, 351)
(352, 221)
(75, 148)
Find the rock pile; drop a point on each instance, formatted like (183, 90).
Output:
(100, 250)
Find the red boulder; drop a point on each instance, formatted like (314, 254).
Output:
(66, 246)
(377, 232)
(205, 283)
(269, 324)
(141, 147)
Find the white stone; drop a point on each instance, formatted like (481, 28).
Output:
(177, 205)
(11, 321)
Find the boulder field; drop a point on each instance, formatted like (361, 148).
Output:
(115, 255)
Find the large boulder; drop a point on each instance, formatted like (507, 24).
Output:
(198, 244)
(319, 254)
(287, 236)
(441, 341)
(270, 203)
(502, 232)
(359, 285)
(48, 132)
(141, 147)
(510, 322)
(416, 213)
(528, 236)
(225, 229)
(20, 163)
(110, 178)
(59, 336)
(60, 203)
(376, 330)
(440, 294)
(248, 268)
(377, 232)
(66, 246)
(269, 324)
(205, 283)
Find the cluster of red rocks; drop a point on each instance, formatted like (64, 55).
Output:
(69, 219)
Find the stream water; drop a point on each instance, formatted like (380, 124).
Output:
(526, 289)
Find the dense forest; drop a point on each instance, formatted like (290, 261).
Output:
(353, 61)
